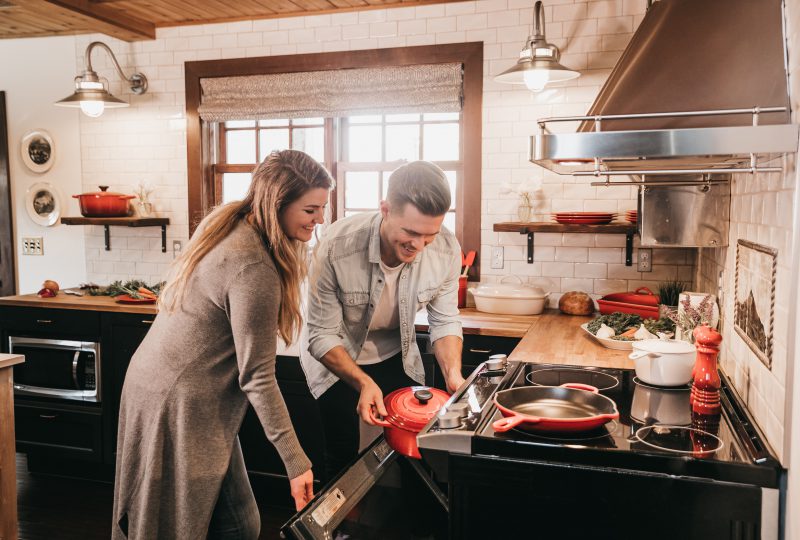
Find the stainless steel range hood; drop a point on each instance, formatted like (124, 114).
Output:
(701, 88)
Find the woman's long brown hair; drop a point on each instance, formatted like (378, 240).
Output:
(279, 180)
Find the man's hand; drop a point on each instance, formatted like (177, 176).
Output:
(370, 402)
(454, 381)
(302, 489)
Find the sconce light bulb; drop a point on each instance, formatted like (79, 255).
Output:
(92, 108)
(536, 79)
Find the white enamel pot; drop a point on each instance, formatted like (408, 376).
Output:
(509, 299)
(663, 362)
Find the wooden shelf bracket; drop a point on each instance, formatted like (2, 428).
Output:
(122, 221)
(612, 228)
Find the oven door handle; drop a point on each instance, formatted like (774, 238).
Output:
(75, 369)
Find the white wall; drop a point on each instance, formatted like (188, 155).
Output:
(34, 73)
(148, 139)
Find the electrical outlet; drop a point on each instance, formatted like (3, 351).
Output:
(645, 259)
(177, 246)
(33, 245)
(497, 257)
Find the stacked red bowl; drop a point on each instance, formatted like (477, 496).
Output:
(583, 218)
(631, 216)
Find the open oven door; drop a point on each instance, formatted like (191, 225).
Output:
(380, 495)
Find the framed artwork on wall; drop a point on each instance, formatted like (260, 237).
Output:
(37, 150)
(43, 204)
(754, 302)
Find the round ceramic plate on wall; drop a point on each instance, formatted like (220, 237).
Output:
(43, 203)
(37, 150)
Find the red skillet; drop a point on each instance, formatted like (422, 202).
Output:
(566, 408)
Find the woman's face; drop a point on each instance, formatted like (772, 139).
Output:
(300, 217)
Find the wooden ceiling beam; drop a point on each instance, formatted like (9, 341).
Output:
(97, 18)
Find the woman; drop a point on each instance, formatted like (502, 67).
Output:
(211, 350)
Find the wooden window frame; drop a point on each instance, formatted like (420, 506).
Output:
(201, 181)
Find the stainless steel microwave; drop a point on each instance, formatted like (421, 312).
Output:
(56, 368)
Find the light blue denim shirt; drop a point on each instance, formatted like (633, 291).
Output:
(347, 282)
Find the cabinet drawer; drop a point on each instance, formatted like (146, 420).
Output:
(64, 323)
(67, 433)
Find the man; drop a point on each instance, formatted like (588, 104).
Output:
(372, 273)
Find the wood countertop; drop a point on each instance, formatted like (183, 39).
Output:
(68, 301)
(478, 323)
(559, 339)
(7, 360)
(549, 338)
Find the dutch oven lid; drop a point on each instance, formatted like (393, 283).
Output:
(509, 290)
(103, 193)
(413, 406)
(675, 346)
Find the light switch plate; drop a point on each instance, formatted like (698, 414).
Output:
(33, 245)
(645, 260)
(497, 257)
(177, 247)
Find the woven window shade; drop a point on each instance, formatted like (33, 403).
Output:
(334, 93)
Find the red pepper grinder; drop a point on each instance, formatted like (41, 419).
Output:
(705, 390)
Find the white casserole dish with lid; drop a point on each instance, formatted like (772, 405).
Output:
(509, 298)
(664, 362)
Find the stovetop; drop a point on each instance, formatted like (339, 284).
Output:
(656, 430)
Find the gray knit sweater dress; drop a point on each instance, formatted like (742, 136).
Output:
(186, 393)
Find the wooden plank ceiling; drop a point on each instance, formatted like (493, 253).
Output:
(136, 20)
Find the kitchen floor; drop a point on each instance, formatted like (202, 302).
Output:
(69, 509)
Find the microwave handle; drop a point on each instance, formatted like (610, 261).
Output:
(75, 369)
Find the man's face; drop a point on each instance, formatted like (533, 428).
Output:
(405, 232)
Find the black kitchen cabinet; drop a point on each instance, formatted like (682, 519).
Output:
(476, 349)
(122, 335)
(58, 429)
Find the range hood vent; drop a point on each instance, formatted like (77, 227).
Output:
(700, 89)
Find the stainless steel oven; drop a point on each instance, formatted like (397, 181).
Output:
(57, 368)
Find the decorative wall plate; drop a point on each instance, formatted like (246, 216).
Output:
(43, 203)
(37, 150)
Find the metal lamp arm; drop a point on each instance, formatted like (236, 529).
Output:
(137, 81)
(538, 20)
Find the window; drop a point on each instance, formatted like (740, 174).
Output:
(359, 150)
(371, 148)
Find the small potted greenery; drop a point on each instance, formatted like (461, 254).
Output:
(669, 293)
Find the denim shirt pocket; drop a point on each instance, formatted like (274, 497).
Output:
(424, 296)
(354, 306)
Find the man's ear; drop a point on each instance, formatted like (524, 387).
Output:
(385, 208)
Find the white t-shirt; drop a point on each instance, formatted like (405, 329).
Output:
(383, 338)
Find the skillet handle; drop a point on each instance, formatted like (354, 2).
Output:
(510, 422)
(581, 386)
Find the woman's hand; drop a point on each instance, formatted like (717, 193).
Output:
(302, 489)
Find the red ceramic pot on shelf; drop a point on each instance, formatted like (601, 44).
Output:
(103, 203)
(409, 410)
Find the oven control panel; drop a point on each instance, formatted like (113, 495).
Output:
(452, 429)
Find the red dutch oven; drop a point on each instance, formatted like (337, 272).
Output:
(571, 407)
(409, 409)
(103, 203)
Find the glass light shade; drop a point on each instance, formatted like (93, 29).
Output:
(92, 108)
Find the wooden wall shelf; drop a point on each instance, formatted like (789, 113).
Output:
(628, 229)
(123, 222)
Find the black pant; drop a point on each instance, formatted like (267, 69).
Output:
(340, 419)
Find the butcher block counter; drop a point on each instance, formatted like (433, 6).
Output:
(550, 338)
(68, 301)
